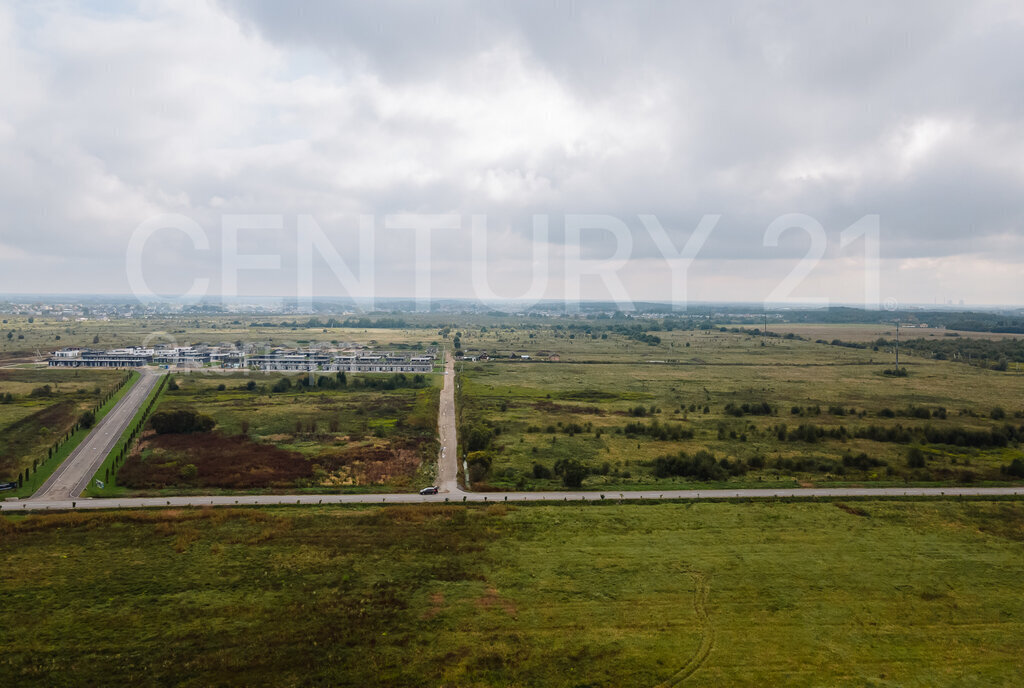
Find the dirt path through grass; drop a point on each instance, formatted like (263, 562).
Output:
(701, 593)
(448, 459)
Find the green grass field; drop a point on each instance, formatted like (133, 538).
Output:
(542, 412)
(864, 593)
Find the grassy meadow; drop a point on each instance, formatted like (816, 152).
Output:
(862, 593)
(788, 411)
(288, 431)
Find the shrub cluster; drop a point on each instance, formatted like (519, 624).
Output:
(180, 422)
(701, 466)
(757, 408)
(658, 431)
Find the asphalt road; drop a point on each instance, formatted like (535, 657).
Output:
(73, 476)
(448, 460)
(33, 504)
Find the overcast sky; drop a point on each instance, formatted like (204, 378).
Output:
(116, 113)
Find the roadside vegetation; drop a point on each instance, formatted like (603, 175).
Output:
(714, 594)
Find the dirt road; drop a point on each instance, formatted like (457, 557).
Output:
(448, 460)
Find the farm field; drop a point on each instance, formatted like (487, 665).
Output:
(788, 412)
(40, 406)
(741, 594)
(287, 431)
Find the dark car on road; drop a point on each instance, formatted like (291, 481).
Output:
(429, 490)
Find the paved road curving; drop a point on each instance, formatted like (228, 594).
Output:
(74, 474)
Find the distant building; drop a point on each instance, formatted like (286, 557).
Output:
(286, 360)
(132, 357)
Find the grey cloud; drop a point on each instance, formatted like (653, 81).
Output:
(747, 109)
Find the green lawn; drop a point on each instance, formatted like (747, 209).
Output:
(879, 593)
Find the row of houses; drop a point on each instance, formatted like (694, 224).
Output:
(351, 363)
(298, 360)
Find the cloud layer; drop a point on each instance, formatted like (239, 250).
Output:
(910, 111)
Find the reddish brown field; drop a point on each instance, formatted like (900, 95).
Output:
(235, 462)
(220, 461)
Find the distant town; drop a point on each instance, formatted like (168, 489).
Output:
(352, 359)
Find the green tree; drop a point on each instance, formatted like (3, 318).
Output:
(1015, 468)
(478, 437)
(571, 471)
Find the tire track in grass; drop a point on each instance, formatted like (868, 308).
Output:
(701, 594)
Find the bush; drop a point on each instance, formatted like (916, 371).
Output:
(479, 458)
(541, 472)
(477, 473)
(757, 408)
(915, 458)
(998, 413)
(1015, 468)
(282, 385)
(702, 466)
(87, 419)
(658, 431)
(861, 461)
(172, 385)
(478, 437)
(180, 422)
(571, 471)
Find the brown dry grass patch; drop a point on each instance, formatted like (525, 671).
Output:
(220, 461)
(492, 599)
